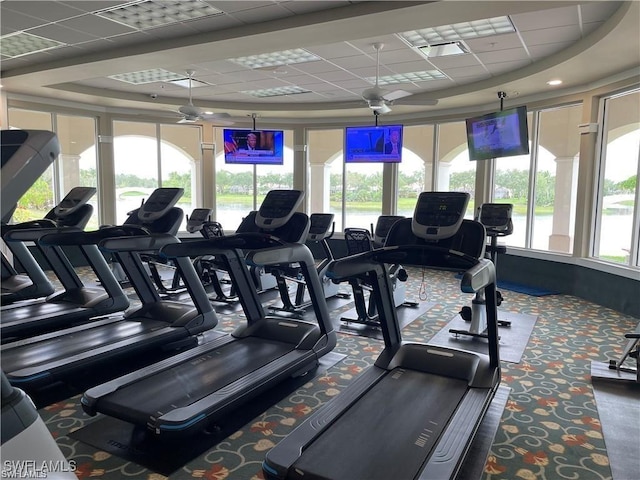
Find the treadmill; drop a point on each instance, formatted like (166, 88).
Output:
(414, 413)
(77, 303)
(72, 212)
(190, 391)
(158, 325)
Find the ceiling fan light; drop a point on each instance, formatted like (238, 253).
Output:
(376, 104)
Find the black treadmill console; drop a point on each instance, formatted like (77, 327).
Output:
(320, 226)
(496, 217)
(24, 156)
(159, 203)
(438, 215)
(197, 218)
(277, 208)
(383, 225)
(76, 198)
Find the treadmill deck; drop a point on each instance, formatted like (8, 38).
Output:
(388, 433)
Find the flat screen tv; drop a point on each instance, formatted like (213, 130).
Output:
(382, 144)
(253, 147)
(498, 134)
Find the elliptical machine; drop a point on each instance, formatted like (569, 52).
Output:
(496, 218)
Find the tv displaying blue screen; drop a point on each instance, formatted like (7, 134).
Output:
(498, 134)
(253, 147)
(382, 144)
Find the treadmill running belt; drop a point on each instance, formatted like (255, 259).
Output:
(187, 382)
(388, 433)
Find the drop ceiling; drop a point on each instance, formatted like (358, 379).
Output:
(580, 43)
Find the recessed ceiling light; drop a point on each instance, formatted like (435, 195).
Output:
(276, 92)
(554, 82)
(458, 31)
(274, 59)
(147, 76)
(422, 76)
(22, 43)
(143, 14)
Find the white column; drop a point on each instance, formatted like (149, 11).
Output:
(319, 187)
(564, 205)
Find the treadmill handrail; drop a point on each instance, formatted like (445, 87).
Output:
(34, 234)
(93, 237)
(149, 242)
(40, 223)
(210, 246)
(419, 255)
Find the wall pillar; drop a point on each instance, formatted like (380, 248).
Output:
(319, 187)
(564, 205)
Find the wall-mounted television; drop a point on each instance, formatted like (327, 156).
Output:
(373, 144)
(498, 134)
(253, 147)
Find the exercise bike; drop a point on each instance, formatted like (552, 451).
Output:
(496, 218)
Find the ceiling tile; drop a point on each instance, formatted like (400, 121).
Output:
(334, 50)
(551, 35)
(18, 21)
(494, 43)
(96, 26)
(93, 5)
(336, 76)
(510, 55)
(61, 34)
(47, 11)
(454, 61)
(316, 67)
(555, 17)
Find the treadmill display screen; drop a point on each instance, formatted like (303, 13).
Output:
(439, 214)
(200, 215)
(320, 223)
(76, 198)
(277, 208)
(496, 215)
(159, 202)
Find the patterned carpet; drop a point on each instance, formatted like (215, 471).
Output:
(550, 428)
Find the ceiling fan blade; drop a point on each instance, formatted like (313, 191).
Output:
(384, 109)
(396, 94)
(412, 100)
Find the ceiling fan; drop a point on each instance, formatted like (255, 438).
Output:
(379, 100)
(191, 113)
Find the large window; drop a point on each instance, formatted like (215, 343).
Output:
(75, 166)
(556, 179)
(616, 233)
(415, 173)
(455, 171)
(511, 185)
(148, 156)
